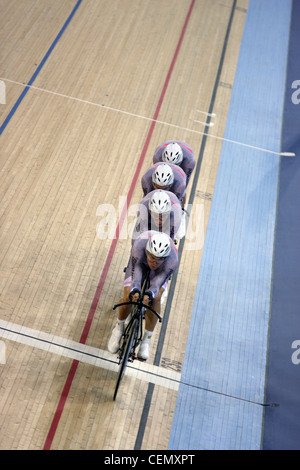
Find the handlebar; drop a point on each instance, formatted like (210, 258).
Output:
(139, 304)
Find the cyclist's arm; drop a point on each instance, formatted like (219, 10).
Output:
(146, 184)
(160, 278)
(188, 166)
(136, 274)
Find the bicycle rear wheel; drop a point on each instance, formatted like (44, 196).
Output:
(126, 353)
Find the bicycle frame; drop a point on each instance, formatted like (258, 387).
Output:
(136, 314)
(133, 332)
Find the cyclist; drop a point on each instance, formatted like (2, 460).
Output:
(168, 177)
(159, 210)
(176, 152)
(152, 250)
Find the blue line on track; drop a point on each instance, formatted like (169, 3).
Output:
(40, 66)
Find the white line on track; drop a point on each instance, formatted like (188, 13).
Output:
(207, 124)
(284, 154)
(87, 354)
(207, 114)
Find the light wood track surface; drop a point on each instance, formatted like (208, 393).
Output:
(72, 145)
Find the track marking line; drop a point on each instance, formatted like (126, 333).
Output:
(87, 354)
(187, 129)
(207, 124)
(204, 112)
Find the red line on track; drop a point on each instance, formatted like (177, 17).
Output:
(85, 332)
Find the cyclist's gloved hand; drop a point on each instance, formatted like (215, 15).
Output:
(133, 293)
(150, 297)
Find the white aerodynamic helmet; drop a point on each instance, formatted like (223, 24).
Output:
(163, 175)
(159, 245)
(160, 202)
(173, 154)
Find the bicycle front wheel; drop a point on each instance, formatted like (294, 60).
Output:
(126, 353)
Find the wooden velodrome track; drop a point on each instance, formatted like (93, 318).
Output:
(108, 82)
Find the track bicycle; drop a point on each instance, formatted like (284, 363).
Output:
(133, 332)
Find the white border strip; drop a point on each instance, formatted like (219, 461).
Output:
(87, 354)
(284, 154)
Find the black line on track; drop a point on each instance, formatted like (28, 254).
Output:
(151, 385)
(148, 399)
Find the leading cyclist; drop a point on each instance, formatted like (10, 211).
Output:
(176, 152)
(152, 250)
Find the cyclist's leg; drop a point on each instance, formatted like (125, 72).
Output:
(150, 323)
(123, 312)
(150, 317)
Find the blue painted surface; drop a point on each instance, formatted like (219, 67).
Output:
(219, 404)
(282, 425)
